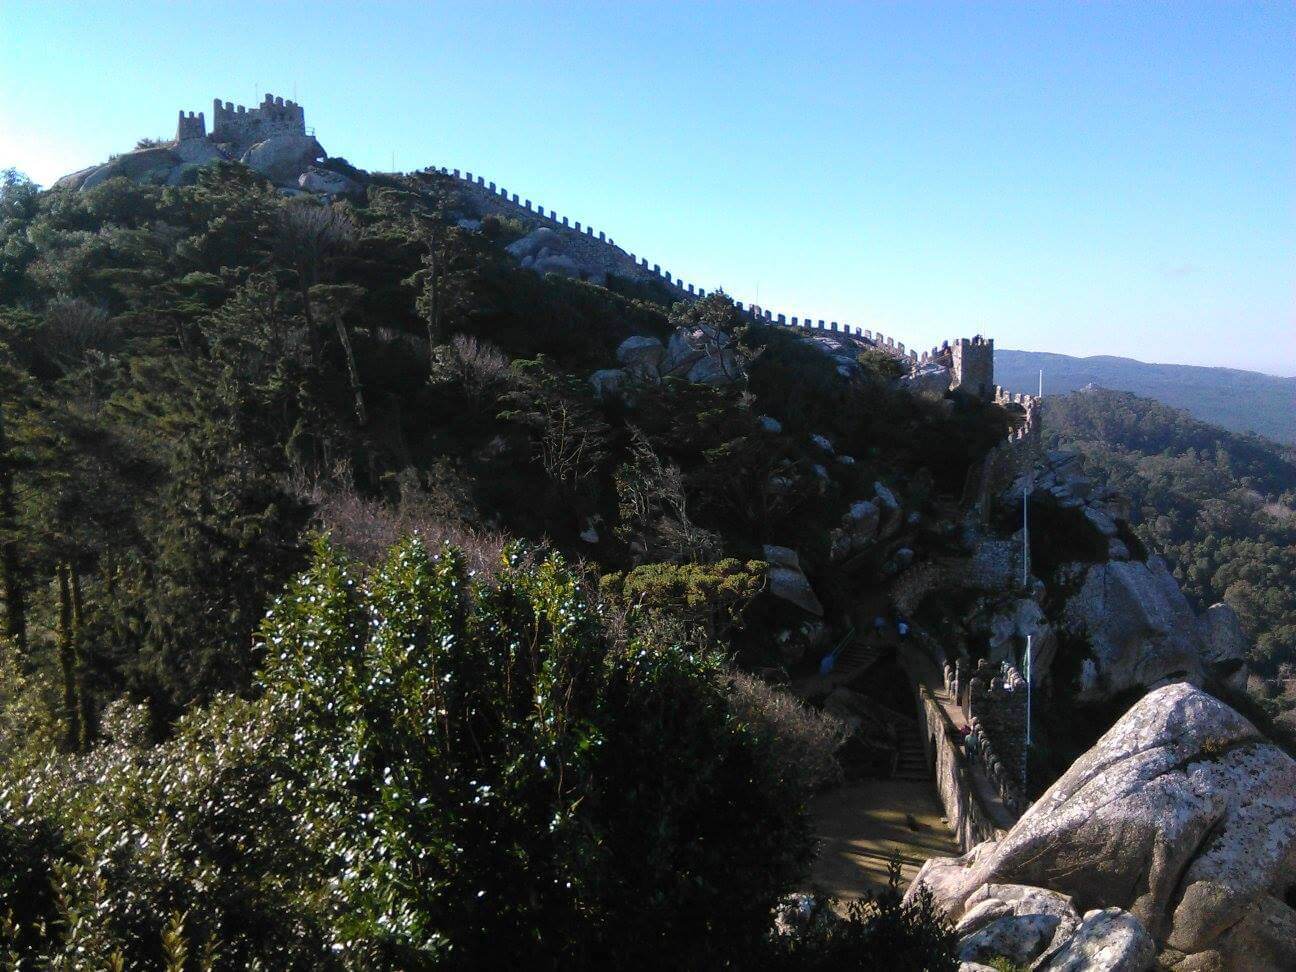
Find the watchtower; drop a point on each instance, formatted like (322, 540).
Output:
(191, 126)
(973, 366)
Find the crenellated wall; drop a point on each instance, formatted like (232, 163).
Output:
(970, 359)
(994, 703)
(244, 127)
(970, 816)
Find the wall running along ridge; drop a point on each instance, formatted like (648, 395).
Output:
(971, 360)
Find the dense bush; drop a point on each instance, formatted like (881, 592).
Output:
(711, 595)
(806, 741)
(439, 771)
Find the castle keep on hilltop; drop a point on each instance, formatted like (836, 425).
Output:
(244, 127)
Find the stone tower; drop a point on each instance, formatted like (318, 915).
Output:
(191, 126)
(973, 366)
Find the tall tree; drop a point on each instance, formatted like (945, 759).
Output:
(11, 579)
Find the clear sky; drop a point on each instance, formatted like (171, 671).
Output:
(1094, 178)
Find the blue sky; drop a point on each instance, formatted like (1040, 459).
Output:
(1079, 178)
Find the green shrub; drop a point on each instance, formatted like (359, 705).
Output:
(882, 931)
(879, 364)
(712, 595)
(439, 771)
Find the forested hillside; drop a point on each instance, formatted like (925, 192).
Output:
(1221, 507)
(209, 389)
(1241, 401)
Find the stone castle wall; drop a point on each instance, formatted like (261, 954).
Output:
(244, 127)
(970, 359)
(994, 701)
(1013, 456)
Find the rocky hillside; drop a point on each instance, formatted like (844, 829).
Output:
(1220, 507)
(639, 511)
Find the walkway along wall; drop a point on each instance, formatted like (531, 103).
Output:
(969, 817)
(972, 807)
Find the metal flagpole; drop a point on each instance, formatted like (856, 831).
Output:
(1026, 752)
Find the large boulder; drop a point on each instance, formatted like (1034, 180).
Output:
(701, 354)
(73, 180)
(892, 514)
(719, 366)
(931, 379)
(1182, 814)
(1226, 646)
(327, 181)
(283, 158)
(198, 151)
(1011, 626)
(151, 165)
(1108, 940)
(530, 245)
(608, 382)
(1141, 629)
(641, 355)
(558, 263)
(545, 250)
(683, 350)
(788, 582)
(1018, 938)
(184, 174)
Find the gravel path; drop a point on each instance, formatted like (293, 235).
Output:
(860, 825)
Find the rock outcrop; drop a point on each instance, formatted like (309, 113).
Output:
(1183, 815)
(284, 158)
(151, 165)
(1107, 940)
(788, 582)
(327, 182)
(1141, 629)
(545, 250)
(702, 355)
(931, 379)
(641, 356)
(1225, 645)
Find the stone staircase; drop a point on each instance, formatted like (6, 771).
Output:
(912, 764)
(855, 659)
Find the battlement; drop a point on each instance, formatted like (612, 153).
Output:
(191, 126)
(244, 127)
(971, 360)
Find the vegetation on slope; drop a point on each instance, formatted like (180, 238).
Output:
(194, 379)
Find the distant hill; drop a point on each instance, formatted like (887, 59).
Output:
(1242, 401)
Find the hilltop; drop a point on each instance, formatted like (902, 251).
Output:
(1243, 401)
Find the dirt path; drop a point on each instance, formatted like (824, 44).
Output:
(860, 825)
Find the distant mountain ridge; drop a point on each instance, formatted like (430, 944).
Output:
(1241, 401)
